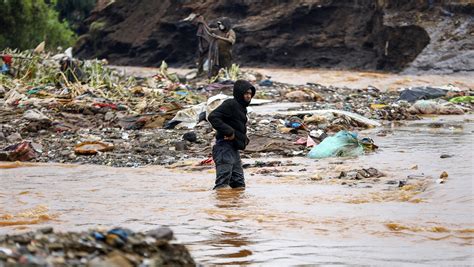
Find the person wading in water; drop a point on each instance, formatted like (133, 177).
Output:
(230, 122)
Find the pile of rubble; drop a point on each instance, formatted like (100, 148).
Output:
(115, 247)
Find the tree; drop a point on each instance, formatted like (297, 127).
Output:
(75, 12)
(26, 23)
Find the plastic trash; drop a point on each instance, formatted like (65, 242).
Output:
(13, 98)
(92, 147)
(421, 93)
(266, 82)
(433, 107)
(208, 161)
(189, 117)
(329, 114)
(294, 125)
(368, 144)
(318, 134)
(462, 99)
(310, 142)
(305, 141)
(23, 151)
(4, 69)
(343, 144)
(214, 102)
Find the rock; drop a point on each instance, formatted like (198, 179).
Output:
(113, 259)
(361, 174)
(445, 156)
(46, 230)
(14, 138)
(161, 233)
(298, 96)
(2, 91)
(35, 115)
(109, 116)
(190, 136)
(316, 177)
(180, 146)
(37, 147)
(444, 175)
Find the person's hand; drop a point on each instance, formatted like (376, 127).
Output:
(230, 138)
(200, 18)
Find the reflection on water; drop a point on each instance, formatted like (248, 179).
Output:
(282, 218)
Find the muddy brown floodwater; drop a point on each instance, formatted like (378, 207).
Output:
(291, 214)
(297, 213)
(340, 78)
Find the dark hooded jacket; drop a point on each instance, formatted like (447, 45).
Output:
(231, 116)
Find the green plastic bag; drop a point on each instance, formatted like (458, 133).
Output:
(343, 144)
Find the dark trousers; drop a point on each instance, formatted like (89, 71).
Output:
(228, 165)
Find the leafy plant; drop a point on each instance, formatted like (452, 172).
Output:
(26, 23)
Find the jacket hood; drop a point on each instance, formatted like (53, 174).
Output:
(240, 87)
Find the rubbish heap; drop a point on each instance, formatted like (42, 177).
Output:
(54, 108)
(114, 247)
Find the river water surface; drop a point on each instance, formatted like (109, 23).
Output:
(291, 214)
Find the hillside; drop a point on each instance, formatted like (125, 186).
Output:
(369, 35)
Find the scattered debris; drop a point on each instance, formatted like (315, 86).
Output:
(92, 147)
(433, 107)
(361, 174)
(115, 247)
(421, 93)
(445, 156)
(442, 178)
(23, 151)
(144, 118)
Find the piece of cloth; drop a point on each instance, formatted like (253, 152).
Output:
(231, 116)
(5, 69)
(229, 171)
(204, 41)
(7, 59)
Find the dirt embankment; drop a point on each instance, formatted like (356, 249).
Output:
(371, 35)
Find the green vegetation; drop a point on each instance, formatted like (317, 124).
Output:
(75, 12)
(27, 23)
